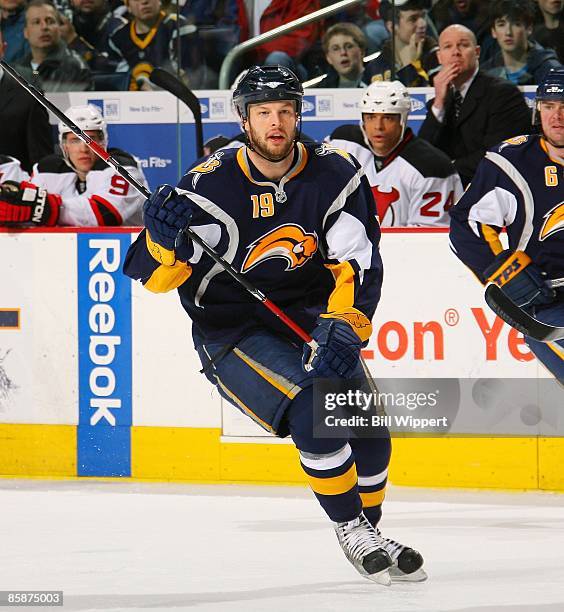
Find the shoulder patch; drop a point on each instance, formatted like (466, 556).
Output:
(212, 163)
(515, 141)
(327, 149)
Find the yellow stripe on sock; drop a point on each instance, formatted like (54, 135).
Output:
(372, 499)
(335, 485)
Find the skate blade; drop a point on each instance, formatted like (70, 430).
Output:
(382, 577)
(417, 576)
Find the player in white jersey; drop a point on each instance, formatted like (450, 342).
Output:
(75, 188)
(413, 183)
(11, 169)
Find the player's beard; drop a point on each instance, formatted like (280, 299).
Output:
(264, 149)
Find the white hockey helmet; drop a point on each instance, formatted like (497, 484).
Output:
(389, 97)
(88, 118)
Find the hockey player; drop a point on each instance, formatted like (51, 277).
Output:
(75, 188)
(297, 220)
(413, 183)
(519, 185)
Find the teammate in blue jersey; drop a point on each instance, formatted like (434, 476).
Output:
(519, 185)
(298, 220)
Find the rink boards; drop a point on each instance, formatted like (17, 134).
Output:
(98, 377)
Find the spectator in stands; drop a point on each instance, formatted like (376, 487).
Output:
(367, 17)
(474, 14)
(413, 183)
(150, 40)
(51, 63)
(549, 31)
(89, 31)
(415, 52)
(344, 45)
(470, 13)
(12, 22)
(520, 60)
(287, 50)
(221, 24)
(25, 133)
(77, 187)
(471, 111)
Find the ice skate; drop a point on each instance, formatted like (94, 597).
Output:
(364, 549)
(407, 562)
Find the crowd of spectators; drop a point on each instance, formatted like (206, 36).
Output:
(70, 45)
(473, 53)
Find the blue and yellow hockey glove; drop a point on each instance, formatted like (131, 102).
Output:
(338, 351)
(520, 279)
(166, 214)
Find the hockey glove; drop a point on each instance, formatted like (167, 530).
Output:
(338, 352)
(520, 279)
(166, 214)
(25, 204)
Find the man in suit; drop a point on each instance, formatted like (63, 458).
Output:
(26, 133)
(471, 111)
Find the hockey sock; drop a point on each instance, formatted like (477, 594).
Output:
(328, 463)
(372, 457)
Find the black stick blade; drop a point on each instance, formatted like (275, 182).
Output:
(506, 309)
(169, 82)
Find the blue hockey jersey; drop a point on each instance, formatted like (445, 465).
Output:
(518, 186)
(308, 241)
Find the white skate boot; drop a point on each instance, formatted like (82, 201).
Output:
(364, 549)
(407, 562)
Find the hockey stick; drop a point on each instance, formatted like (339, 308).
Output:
(102, 153)
(167, 81)
(518, 318)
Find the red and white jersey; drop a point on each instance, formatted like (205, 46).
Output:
(415, 185)
(11, 170)
(105, 198)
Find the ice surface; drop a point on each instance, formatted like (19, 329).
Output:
(141, 546)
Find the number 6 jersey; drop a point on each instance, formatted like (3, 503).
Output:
(105, 198)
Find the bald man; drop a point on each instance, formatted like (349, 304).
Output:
(471, 111)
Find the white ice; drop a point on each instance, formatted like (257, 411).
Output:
(141, 546)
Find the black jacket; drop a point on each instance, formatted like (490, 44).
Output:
(493, 110)
(62, 70)
(25, 133)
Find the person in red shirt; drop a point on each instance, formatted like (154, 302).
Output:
(287, 50)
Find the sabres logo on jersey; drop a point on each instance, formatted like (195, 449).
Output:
(517, 140)
(554, 222)
(213, 162)
(289, 242)
(327, 149)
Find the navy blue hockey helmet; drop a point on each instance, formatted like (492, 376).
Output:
(550, 88)
(266, 84)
